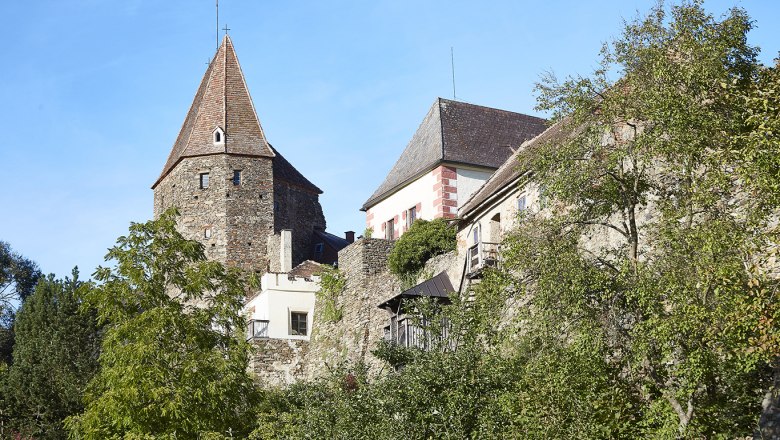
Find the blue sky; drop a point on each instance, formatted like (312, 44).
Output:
(94, 93)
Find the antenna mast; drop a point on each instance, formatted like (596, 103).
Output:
(452, 59)
(217, 25)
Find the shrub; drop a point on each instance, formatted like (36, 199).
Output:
(423, 240)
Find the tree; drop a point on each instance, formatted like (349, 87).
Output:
(423, 240)
(652, 252)
(18, 276)
(174, 357)
(55, 355)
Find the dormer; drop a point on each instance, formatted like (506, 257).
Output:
(218, 137)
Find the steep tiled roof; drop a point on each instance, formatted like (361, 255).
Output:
(285, 172)
(510, 170)
(460, 133)
(223, 101)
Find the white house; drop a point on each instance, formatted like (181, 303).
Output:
(455, 150)
(284, 307)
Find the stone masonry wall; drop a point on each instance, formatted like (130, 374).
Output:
(350, 340)
(240, 217)
(278, 362)
(300, 211)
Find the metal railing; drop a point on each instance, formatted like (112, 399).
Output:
(483, 254)
(406, 333)
(257, 329)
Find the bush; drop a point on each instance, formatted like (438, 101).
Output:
(423, 240)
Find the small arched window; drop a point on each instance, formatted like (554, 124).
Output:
(218, 136)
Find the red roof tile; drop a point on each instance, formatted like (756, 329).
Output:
(223, 101)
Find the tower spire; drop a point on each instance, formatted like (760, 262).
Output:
(222, 102)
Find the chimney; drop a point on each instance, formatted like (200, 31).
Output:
(350, 236)
(285, 251)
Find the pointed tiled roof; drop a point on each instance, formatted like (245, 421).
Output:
(222, 101)
(285, 172)
(459, 133)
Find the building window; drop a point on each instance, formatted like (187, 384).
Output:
(319, 248)
(521, 203)
(207, 233)
(236, 177)
(411, 216)
(476, 234)
(204, 180)
(298, 323)
(389, 226)
(217, 137)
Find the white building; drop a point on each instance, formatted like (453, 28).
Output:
(455, 150)
(284, 307)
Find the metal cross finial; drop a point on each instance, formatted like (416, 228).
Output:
(226, 29)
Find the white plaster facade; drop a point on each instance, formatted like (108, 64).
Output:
(435, 194)
(469, 181)
(419, 193)
(282, 295)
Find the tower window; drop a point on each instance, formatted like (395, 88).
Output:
(236, 177)
(219, 136)
(204, 180)
(319, 248)
(207, 233)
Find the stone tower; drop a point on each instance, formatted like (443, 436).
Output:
(234, 191)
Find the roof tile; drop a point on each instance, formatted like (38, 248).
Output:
(459, 132)
(223, 101)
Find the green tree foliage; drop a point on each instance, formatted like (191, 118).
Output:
(18, 276)
(755, 150)
(423, 240)
(674, 296)
(638, 303)
(55, 355)
(174, 358)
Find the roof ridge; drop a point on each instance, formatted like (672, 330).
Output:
(492, 108)
(251, 100)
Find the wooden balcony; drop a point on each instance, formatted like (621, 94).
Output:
(403, 332)
(483, 255)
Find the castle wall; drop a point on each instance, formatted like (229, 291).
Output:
(299, 210)
(347, 341)
(350, 340)
(278, 362)
(239, 217)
